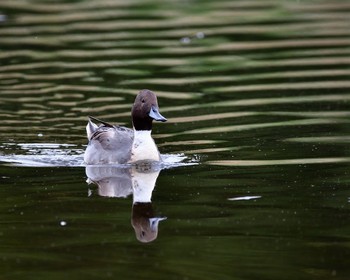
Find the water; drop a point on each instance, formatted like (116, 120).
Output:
(256, 179)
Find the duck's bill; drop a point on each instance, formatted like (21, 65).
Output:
(155, 221)
(154, 114)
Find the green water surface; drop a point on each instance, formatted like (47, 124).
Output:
(256, 94)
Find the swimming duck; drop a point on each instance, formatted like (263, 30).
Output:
(116, 144)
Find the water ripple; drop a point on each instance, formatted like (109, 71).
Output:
(223, 67)
(300, 161)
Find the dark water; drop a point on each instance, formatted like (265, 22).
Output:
(256, 180)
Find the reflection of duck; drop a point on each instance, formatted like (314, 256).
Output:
(144, 222)
(115, 144)
(140, 180)
(111, 181)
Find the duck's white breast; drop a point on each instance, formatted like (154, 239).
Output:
(144, 147)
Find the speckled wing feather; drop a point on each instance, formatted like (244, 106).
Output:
(108, 143)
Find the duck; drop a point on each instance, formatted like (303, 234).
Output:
(114, 144)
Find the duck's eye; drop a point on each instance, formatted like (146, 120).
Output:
(143, 101)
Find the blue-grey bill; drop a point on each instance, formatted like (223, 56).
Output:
(154, 114)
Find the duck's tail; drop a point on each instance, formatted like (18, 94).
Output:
(99, 121)
(91, 127)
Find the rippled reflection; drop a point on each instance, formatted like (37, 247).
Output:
(138, 180)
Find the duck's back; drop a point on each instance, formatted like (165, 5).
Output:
(108, 144)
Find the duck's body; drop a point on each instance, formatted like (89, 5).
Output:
(116, 144)
(108, 144)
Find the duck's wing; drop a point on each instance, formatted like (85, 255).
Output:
(95, 132)
(108, 143)
(91, 127)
